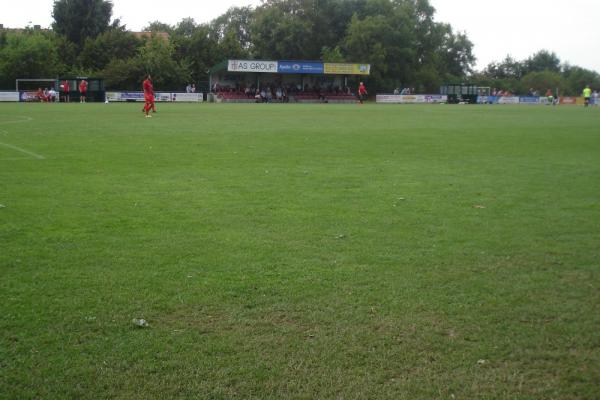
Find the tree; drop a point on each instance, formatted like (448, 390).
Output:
(507, 68)
(576, 78)
(124, 74)
(156, 57)
(332, 55)
(199, 52)
(81, 19)
(281, 32)
(387, 43)
(29, 55)
(157, 26)
(115, 43)
(541, 81)
(235, 22)
(543, 60)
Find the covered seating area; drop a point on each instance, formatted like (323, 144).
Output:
(251, 81)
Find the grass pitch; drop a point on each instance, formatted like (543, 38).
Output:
(299, 251)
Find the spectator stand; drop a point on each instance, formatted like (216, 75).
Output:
(251, 81)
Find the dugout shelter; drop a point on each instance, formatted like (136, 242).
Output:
(298, 80)
(460, 92)
(96, 92)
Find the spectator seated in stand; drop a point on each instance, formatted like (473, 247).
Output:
(52, 95)
(41, 96)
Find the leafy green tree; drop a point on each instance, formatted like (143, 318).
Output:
(541, 81)
(156, 57)
(576, 79)
(280, 33)
(230, 46)
(235, 24)
(507, 68)
(29, 55)
(386, 42)
(157, 26)
(115, 43)
(124, 74)
(543, 60)
(186, 27)
(81, 19)
(199, 51)
(332, 55)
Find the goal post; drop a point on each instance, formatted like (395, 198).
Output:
(35, 84)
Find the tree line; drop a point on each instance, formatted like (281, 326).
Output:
(401, 40)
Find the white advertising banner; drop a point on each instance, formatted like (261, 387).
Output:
(158, 96)
(252, 66)
(9, 96)
(189, 97)
(113, 96)
(162, 96)
(508, 100)
(411, 99)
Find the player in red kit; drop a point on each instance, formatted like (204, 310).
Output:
(83, 91)
(66, 88)
(148, 96)
(362, 92)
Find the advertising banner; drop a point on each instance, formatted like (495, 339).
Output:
(162, 96)
(347, 69)
(158, 96)
(435, 98)
(28, 96)
(411, 99)
(388, 98)
(132, 96)
(569, 100)
(113, 96)
(188, 97)
(252, 66)
(508, 100)
(299, 67)
(529, 100)
(9, 96)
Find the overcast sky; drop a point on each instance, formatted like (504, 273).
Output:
(571, 28)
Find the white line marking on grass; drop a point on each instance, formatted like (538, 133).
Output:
(12, 146)
(30, 153)
(26, 119)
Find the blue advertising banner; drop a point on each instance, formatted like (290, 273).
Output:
(300, 67)
(529, 100)
(136, 96)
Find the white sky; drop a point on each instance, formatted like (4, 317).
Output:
(571, 28)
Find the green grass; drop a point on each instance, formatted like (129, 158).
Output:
(299, 251)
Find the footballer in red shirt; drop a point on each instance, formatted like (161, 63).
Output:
(66, 88)
(148, 96)
(362, 92)
(83, 91)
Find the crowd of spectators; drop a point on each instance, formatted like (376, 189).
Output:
(501, 93)
(404, 91)
(277, 92)
(46, 95)
(190, 88)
